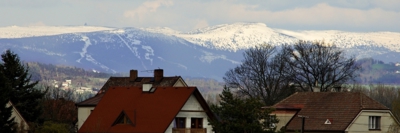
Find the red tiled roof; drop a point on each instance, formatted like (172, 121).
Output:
(93, 101)
(149, 112)
(339, 107)
(125, 82)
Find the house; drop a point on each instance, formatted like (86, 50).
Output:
(87, 106)
(150, 109)
(64, 84)
(341, 112)
(22, 124)
(68, 81)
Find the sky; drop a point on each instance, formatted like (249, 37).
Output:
(187, 15)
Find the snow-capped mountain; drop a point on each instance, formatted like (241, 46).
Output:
(207, 52)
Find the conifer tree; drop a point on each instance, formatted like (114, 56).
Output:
(23, 94)
(6, 122)
(241, 115)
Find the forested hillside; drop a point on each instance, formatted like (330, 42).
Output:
(376, 71)
(56, 74)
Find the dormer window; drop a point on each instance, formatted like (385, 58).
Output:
(122, 119)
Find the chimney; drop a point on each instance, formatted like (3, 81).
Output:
(133, 74)
(158, 74)
(316, 89)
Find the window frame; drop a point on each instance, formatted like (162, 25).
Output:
(177, 125)
(374, 122)
(196, 123)
(123, 119)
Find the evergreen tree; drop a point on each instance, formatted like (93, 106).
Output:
(23, 94)
(6, 122)
(241, 115)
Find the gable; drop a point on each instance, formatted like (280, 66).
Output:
(180, 83)
(361, 122)
(192, 104)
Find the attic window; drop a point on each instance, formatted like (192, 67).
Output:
(123, 119)
(374, 123)
(328, 121)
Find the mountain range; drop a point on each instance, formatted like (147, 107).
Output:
(208, 52)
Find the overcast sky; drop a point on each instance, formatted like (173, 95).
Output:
(186, 15)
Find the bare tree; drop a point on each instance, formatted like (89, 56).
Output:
(260, 75)
(319, 64)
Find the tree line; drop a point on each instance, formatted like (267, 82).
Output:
(272, 74)
(269, 74)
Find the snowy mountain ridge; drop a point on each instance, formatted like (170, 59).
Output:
(32, 31)
(206, 52)
(232, 37)
(239, 36)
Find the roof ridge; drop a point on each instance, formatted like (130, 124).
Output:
(373, 100)
(95, 96)
(285, 99)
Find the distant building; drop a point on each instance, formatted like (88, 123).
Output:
(64, 84)
(397, 64)
(69, 81)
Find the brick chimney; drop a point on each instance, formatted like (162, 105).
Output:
(133, 74)
(158, 74)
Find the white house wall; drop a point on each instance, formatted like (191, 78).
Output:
(360, 124)
(83, 114)
(191, 109)
(18, 119)
(284, 117)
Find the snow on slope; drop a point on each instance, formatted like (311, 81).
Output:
(390, 40)
(31, 31)
(238, 36)
(231, 37)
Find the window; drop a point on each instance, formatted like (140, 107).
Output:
(196, 123)
(180, 122)
(374, 122)
(123, 119)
